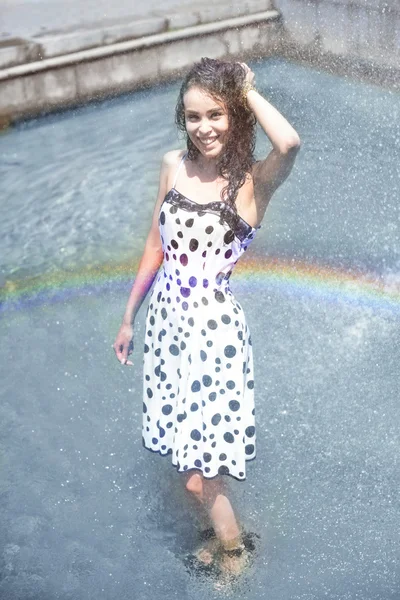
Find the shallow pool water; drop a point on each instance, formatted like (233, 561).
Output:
(86, 512)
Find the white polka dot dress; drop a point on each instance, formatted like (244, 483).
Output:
(198, 382)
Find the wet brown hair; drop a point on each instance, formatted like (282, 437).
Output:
(224, 82)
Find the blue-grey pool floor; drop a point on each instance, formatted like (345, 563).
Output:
(85, 511)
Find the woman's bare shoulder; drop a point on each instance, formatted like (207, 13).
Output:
(172, 157)
(170, 164)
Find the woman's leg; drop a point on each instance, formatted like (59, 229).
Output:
(212, 495)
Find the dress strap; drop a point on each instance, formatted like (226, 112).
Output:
(178, 169)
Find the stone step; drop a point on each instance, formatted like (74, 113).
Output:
(17, 51)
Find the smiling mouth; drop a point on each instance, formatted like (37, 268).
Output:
(209, 141)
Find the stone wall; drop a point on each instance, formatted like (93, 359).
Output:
(358, 37)
(361, 37)
(72, 78)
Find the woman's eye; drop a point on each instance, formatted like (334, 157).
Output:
(216, 115)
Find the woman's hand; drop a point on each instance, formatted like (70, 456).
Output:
(123, 345)
(250, 77)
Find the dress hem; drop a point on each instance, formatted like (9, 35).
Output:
(169, 452)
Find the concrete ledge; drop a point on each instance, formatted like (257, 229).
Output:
(359, 38)
(78, 77)
(132, 45)
(15, 51)
(58, 43)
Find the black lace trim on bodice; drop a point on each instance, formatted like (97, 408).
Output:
(240, 228)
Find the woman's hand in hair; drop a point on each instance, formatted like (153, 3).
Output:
(250, 77)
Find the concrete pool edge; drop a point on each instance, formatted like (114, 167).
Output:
(75, 78)
(83, 66)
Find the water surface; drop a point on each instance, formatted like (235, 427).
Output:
(85, 511)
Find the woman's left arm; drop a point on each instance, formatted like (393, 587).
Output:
(270, 173)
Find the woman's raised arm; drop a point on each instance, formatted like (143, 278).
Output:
(270, 173)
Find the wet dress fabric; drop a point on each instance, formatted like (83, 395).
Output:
(198, 382)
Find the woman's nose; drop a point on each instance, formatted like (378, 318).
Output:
(204, 126)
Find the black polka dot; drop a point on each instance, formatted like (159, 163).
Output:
(230, 384)
(209, 229)
(212, 396)
(183, 259)
(195, 386)
(229, 351)
(226, 319)
(207, 381)
(174, 349)
(162, 217)
(250, 431)
(194, 406)
(223, 470)
(195, 435)
(212, 324)
(207, 457)
(228, 253)
(250, 384)
(229, 236)
(193, 244)
(149, 393)
(216, 419)
(234, 405)
(192, 281)
(167, 409)
(219, 296)
(203, 355)
(189, 222)
(228, 437)
(222, 456)
(249, 449)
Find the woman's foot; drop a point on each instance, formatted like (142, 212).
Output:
(235, 558)
(206, 553)
(209, 546)
(202, 560)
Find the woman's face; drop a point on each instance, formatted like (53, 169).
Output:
(206, 121)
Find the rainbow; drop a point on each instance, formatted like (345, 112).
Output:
(292, 278)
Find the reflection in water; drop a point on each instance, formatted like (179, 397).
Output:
(85, 510)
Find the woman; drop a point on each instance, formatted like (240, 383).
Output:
(198, 363)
